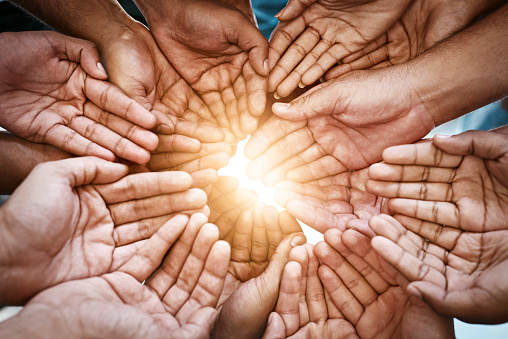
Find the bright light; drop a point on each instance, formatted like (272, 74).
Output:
(237, 168)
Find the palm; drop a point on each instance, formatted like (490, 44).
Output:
(327, 31)
(215, 64)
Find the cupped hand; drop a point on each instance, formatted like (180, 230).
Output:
(133, 301)
(457, 181)
(220, 53)
(54, 91)
(60, 223)
(261, 244)
(315, 35)
(368, 292)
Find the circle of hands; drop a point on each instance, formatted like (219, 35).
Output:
(160, 245)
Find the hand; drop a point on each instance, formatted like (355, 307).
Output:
(458, 181)
(352, 119)
(423, 25)
(128, 303)
(60, 224)
(259, 254)
(54, 92)
(315, 35)
(219, 52)
(457, 273)
(368, 294)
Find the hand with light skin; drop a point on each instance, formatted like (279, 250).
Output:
(314, 35)
(458, 181)
(355, 117)
(132, 301)
(458, 273)
(54, 92)
(59, 224)
(219, 52)
(369, 294)
(260, 249)
(423, 25)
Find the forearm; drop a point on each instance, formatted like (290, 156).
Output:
(19, 156)
(92, 20)
(464, 72)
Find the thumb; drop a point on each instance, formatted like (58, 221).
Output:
(82, 171)
(280, 258)
(251, 39)
(315, 102)
(483, 144)
(85, 53)
(293, 9)
(275, 328)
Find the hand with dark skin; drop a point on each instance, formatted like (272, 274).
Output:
(314, 35)
(423, 25)
(219, 52)
(355, 117)
(53, 92)
(261, 244)
(76, 204)
(369, 294)
(131, 302)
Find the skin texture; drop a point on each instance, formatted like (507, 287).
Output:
(131, 302)
(314, 35)
(77, 205)
(261, 244)
(219, 52)
(422, 25)
(54, 92)
(451, 200)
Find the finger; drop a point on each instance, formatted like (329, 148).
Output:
(227, 220)
(80, 171)
(343, 299)
(341, 179)
(288, 303)
(124, 128)
(256, 90)
(283, 149)
(288, 77)
(229, 201)
(371, 47)
(225, 184)
(150, 256)
(319, 219)
(72, 142)
(83, 52)
(167, 124)
(487, 145)
(112, 99)
(214, 102)
(167, 275)
(231, 103)
(138, 230)
(323, 193)
(144, 185)
(275, 327)
(204, 178)
(247, 122)
(309, 155)
(310, 59)
(273, 231)
(293, 9)
(210, 283)
(386, 172)
(273, 130)
(445, 237)
(370, 60)
(242, 240)
(325, 62)
(282, 197)
(177, 143)
(215, 161)
(321, 168)
(172, 159)
(252, 40)
(443, 213)
(426, 154)
(288, 224)
(260, 245)
(416, 191)
(299, 254)
(125, 212)
(180, 292)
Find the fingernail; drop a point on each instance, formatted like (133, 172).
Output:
(280, 106)
(266, 66)
(280, 13)
(301, 85)
(412, 291)
(298, 240)
(442, 136)
(101, 68)
(322, 79)
(269, 319)
(276, 96)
